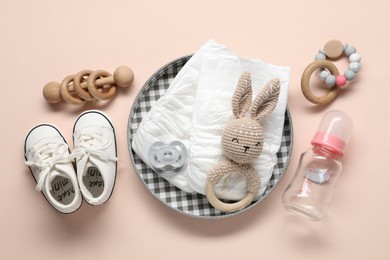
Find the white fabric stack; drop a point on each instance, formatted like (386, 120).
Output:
(197, 107)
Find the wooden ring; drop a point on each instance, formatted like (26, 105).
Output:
(305, 82)
(227, 207)
(92, 87)
(78, 88)
(65, 93)
(231, 207)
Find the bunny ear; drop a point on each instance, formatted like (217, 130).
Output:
(266, 100)
(242, 97)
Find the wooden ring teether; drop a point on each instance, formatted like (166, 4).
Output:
(76, 89)
(104, 95)
(65, 92)
(227, 207)
(305, 82)
(253, 185)
(81, 89)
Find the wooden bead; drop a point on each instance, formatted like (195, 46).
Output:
(51, 92)
(123, 76)
(334, 49)
(305, 82)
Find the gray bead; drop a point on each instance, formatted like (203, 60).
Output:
(330, 80)
(355, 66)
(349, 75)
(349, 50)
(320, 56)
(323, 74)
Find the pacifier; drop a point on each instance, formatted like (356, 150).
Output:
(167, 159)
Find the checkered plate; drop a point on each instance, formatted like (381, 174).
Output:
(194, 205)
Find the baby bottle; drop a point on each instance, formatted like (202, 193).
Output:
(309, 192)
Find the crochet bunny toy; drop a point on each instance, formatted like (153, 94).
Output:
(242, 140)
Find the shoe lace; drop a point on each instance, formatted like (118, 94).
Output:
(91, 144)
(46, 158)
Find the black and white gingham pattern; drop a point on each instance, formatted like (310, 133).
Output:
(195, 205)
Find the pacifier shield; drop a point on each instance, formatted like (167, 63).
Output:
(167, 159)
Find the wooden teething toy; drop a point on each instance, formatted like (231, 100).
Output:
(88, 85)
(242, 140)
(328, 72)
(305, 82)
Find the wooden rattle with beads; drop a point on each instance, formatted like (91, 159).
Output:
(99, 85)
(328, 72)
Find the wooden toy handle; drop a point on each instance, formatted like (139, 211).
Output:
(87, 90)
(99, 82)
(83, 84)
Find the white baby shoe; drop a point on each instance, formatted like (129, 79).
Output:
(95, 154)
(47, 155)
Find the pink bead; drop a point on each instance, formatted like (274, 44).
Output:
(341, 80)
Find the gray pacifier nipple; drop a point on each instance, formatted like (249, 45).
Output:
(167, 159)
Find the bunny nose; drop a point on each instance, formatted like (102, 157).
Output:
(246, 148)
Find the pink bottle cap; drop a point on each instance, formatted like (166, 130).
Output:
(334, 131)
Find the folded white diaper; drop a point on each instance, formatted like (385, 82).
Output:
(197, 107)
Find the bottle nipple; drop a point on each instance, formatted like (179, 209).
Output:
(334, 132)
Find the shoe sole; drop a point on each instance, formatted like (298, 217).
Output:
(116, 151)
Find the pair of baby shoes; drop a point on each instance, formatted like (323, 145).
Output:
(48, 156)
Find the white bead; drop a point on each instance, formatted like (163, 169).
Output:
(323, 74)
(355, 66)
(355, 57)
(320, 56)
(330, 80)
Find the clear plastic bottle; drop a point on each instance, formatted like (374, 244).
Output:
(309, 192)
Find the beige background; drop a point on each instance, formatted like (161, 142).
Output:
(47, 40)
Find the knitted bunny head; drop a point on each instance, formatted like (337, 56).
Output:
(242, 139)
